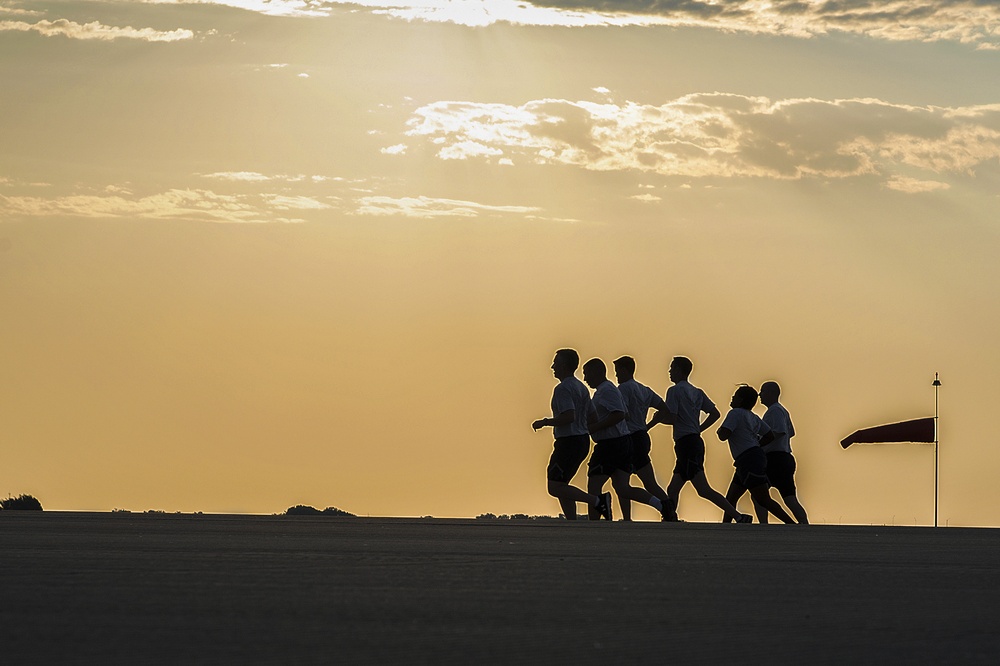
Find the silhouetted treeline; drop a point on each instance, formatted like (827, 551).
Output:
(21, 503)
(513, 516)
(303, 510)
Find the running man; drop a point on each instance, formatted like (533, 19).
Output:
(570, 407)
(685, 404)
(780, 461)
(745, 433)
(612, 456)
(639, 399)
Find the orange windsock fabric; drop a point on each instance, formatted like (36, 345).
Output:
(917, 430)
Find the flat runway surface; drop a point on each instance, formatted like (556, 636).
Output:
(148, 589)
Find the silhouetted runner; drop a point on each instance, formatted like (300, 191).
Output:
(780, 461)
(612, 456)
(570, 407)
(685, 404)
(745, 433)
(639, 399)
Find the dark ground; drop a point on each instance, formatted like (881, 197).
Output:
(170, 589)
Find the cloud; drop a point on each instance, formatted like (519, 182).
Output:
(466, 149)
(238, 176)
(966, 21)
(398, 149)
(913, 185)
(480, 13)
(974, 22)
(427, 207)
(194, 204)
(175, 204)
(472, 13)
(18, 183)
(284, 202)
(17, 11)
(304, 8)
(718, 135)
(256, 177)
(95, 30)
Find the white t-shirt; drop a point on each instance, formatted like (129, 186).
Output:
(777, 419)
(607, 399)
(746, 428)
(571, 393)
(639, 399)
(686, 402)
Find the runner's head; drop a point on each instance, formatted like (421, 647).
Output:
(680, 368)
(595, 372)
(745, 397)
(565, 363)
(769, 392)
(624, 368)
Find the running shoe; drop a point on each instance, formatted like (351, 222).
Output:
(604, 507)
(668, 512)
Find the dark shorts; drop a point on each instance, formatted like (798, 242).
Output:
(751, 468)
(690, 450)
(781, 472)
(640, 449)
(567, 455)
(610, 455)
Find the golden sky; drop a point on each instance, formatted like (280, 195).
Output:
(255, 254)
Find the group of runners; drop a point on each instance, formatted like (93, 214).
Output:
(615, 417)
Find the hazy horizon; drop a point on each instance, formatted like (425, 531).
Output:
(257, 254)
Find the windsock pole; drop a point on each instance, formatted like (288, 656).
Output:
(937, 385)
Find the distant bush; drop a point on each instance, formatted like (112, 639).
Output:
(304, 510)
(21, 503)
